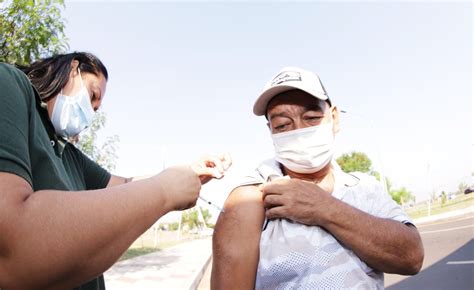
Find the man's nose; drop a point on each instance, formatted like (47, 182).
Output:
(299, 124)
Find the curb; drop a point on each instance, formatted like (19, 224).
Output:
(443, 216)
(199, 274)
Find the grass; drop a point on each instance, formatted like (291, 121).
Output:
(131, 253)
(139, 251)
(459, 202)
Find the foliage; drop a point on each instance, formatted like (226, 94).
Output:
(173, 226)
(355, 161)
(402, 195)
(104, 154)
(443, 198)
(360, 162)
(30, 30)
(191, 219)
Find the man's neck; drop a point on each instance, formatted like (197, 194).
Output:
(323, 177)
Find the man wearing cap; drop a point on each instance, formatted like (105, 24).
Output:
(298, 220)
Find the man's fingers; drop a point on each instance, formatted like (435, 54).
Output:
(276, 212)
(272, 200)
(275, 187)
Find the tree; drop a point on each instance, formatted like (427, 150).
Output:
(360, 162)
(30, 30)
(355, 161)
(191, 218)
(104, 154)
(443, 198)
(402, 195)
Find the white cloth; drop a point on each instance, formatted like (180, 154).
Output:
(294, 255)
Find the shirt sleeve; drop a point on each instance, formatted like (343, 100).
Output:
(16, 95)
(95, 176)
(384, 206)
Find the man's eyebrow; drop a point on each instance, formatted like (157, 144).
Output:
(315, 107)
(273, 116)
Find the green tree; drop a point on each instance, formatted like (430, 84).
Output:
(173, 226)
(206, 215)
(402, 195)
(30, 30)
(355, 161)
(360, 162)
(443, 198)
(105, 154)
(191, 218)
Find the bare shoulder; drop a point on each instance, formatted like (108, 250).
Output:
(243, 208)
(244, 194)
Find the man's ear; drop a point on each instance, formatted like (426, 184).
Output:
(269, 128)
(335, 120)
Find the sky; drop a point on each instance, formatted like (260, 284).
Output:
(183, 77)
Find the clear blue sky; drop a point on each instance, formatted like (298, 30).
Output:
(184, 76)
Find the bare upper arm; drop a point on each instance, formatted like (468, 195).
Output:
(236, 239)
(243, 209)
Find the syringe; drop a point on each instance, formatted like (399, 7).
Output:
(210, 203)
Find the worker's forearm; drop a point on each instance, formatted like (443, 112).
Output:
(385, 245)
(65, 238)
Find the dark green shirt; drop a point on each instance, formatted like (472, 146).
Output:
(30, 149)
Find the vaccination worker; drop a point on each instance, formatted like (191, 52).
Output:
(64, 220)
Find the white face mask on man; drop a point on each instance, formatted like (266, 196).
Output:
(72, 114)
(305, 150)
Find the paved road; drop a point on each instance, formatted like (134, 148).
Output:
(449, 257)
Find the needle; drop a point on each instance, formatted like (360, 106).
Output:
(210, 203)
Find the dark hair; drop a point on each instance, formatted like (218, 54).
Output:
(50, 75)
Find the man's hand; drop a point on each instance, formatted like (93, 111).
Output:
(209, 167)
(295, 199)
(386, 245)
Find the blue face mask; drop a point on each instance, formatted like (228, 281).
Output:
(72, 114)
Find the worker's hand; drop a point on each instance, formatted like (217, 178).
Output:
(295, 199)
(181, 186)
(209, 166)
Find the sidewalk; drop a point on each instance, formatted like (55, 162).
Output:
(178, 267)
